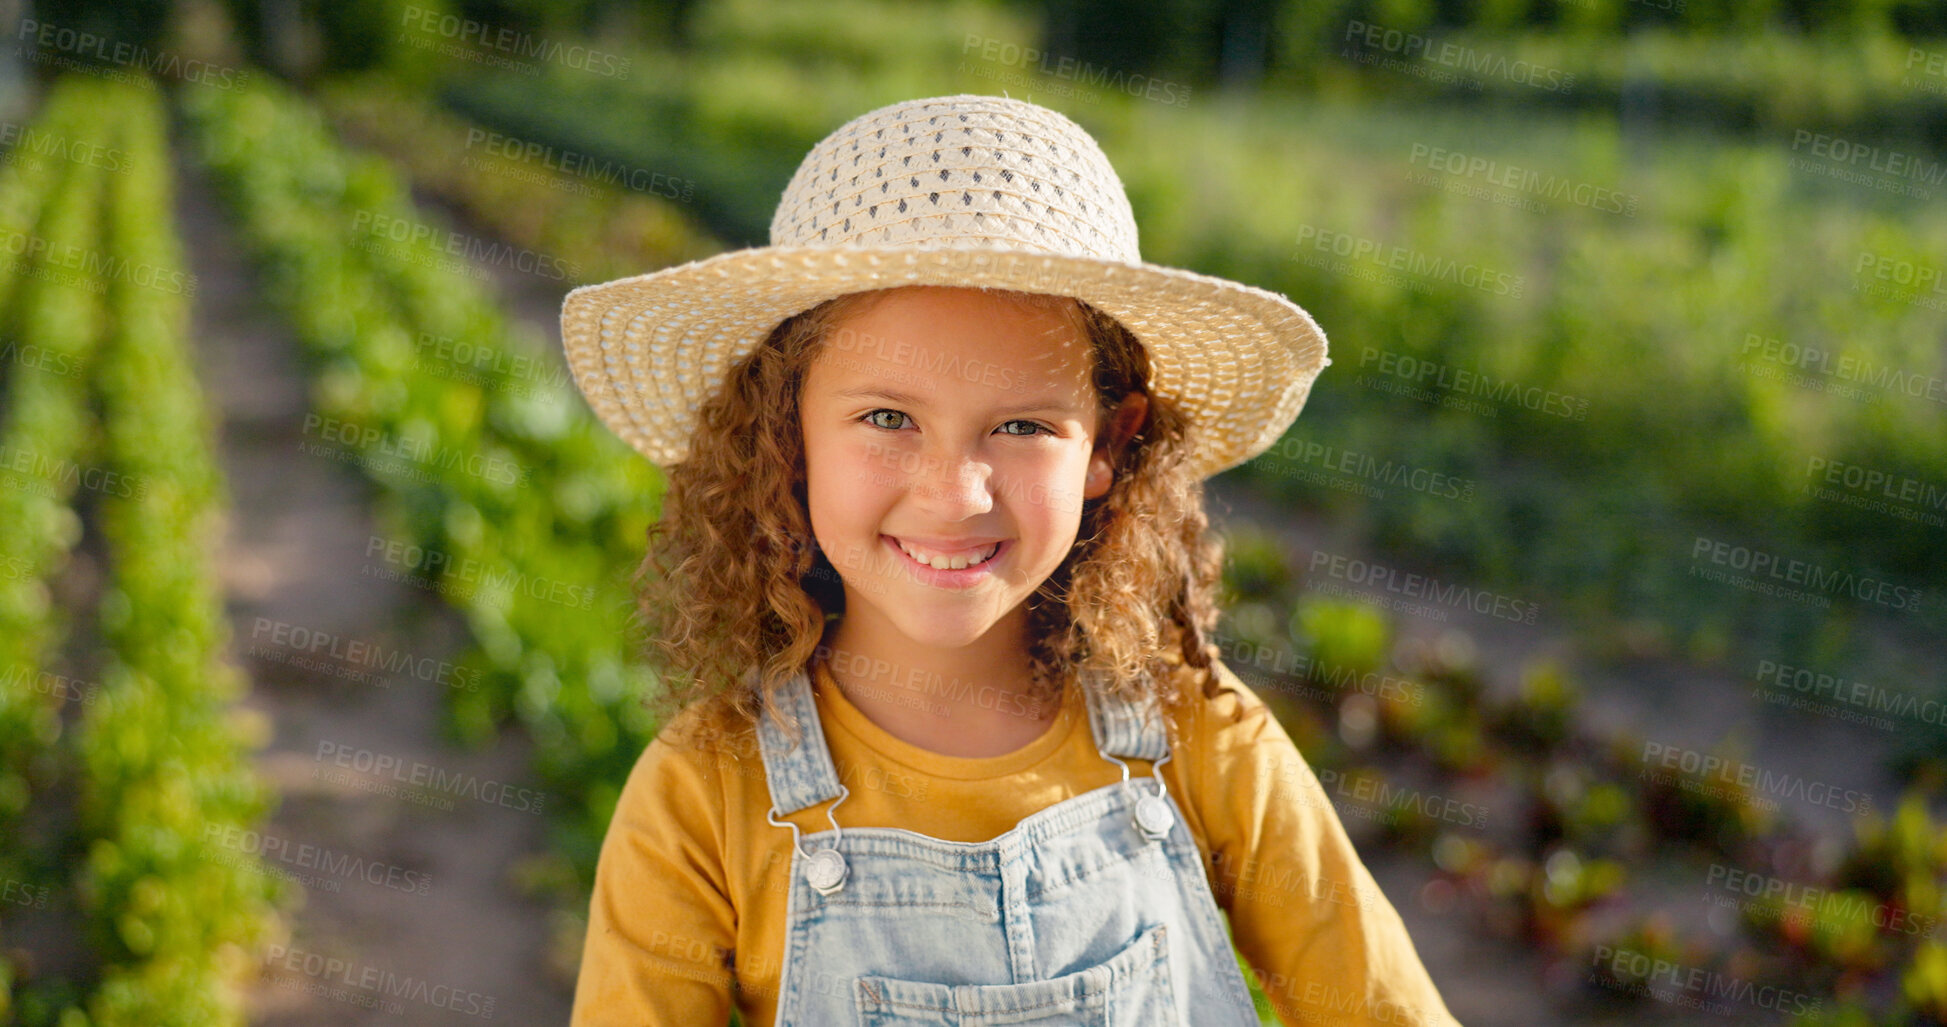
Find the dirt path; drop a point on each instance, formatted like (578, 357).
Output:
(409, 914)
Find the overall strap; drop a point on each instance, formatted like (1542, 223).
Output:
(1126, 728)
(800, 776)
(803, 776)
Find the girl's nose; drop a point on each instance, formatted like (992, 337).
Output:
(953, 485)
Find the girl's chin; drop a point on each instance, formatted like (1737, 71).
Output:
(942, 620)
(943, 630)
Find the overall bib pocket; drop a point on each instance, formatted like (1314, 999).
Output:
(1132, 988)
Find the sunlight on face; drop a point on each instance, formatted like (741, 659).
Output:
(950, 420)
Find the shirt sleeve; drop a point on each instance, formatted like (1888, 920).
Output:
(1305, 913)
(661, 928)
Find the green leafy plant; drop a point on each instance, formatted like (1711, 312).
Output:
(53, 324)
(537, 511)
(157, 756)
(164, 758)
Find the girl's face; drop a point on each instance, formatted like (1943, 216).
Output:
(942, 425)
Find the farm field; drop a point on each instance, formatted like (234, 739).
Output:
(1602, 582)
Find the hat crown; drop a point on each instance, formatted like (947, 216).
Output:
(959, 172)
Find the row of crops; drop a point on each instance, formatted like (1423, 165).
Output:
(596, 229)
(120, 751)
(524, 508)
(1565, 840)
(1872, 88)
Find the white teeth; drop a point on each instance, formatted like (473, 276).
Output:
(949, 563)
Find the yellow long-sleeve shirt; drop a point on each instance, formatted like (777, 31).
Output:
(688, 911)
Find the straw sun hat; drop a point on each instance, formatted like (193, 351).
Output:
(954, 190)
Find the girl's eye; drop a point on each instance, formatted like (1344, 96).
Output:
(1034, 427)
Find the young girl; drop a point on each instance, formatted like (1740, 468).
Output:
(946, 741)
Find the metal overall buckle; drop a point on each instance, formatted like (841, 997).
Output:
(1153, 816)
(825, 869)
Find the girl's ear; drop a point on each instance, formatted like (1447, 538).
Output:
(1123, 423)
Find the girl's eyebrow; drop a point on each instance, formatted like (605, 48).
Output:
(1036, 403)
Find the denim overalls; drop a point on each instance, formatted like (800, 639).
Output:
(1093, 911)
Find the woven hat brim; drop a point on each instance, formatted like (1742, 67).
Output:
(648, 350)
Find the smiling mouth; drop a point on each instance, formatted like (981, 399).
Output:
(954, 562)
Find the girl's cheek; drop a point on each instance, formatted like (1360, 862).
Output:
(871, 467)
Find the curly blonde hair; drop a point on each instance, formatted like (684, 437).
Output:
(734, 580)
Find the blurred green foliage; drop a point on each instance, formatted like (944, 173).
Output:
(127, 793)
